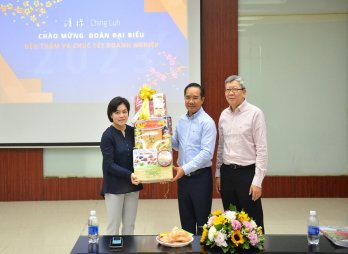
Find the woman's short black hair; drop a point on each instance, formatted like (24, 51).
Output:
(114, 103)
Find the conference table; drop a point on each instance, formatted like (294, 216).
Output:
(148, 244)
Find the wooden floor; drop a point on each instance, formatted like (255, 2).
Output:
(54, 226)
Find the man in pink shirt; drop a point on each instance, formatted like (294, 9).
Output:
(242, 152)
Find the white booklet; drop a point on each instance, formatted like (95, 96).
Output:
(337, 235)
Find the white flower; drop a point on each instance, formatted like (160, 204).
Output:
(220, 239)
(253, 224)
(211, 233)
(230, 215)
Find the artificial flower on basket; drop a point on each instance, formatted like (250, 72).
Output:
(231, 231)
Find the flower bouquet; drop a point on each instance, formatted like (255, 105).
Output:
(232, 230)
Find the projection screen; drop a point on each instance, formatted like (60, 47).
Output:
(62, 61)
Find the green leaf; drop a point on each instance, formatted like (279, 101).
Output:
(218, 227)
(232, 250)
(232, 208)
(225, 249)
(246, 245)
(228, 228)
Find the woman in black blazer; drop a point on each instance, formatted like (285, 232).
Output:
(120, 185)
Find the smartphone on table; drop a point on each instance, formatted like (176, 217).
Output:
(116, 242)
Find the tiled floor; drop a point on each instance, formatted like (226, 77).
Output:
(54, 226)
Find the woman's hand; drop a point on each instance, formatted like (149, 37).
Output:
(135, 180)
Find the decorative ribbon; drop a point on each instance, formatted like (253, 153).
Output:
(145, 94)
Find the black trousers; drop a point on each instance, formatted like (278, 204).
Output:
(235, 185)
(195, 200)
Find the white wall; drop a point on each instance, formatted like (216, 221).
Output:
(296, 69)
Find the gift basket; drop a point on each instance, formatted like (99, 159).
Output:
(152, 156)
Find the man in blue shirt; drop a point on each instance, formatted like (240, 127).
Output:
(194, 138)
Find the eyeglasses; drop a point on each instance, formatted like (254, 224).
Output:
(233, 90)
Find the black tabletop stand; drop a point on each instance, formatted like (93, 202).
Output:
(148, 244)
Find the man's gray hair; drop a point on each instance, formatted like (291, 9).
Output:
(235, 78)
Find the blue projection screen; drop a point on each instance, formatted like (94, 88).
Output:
(62, 61)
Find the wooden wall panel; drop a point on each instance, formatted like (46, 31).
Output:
(21, 174)
(278, 186)
(219, 58)
(328, 186)
(72, 188)
(219, 46)
(273, 187)
(305, 186)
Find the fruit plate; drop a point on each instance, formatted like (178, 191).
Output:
(174, 244)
